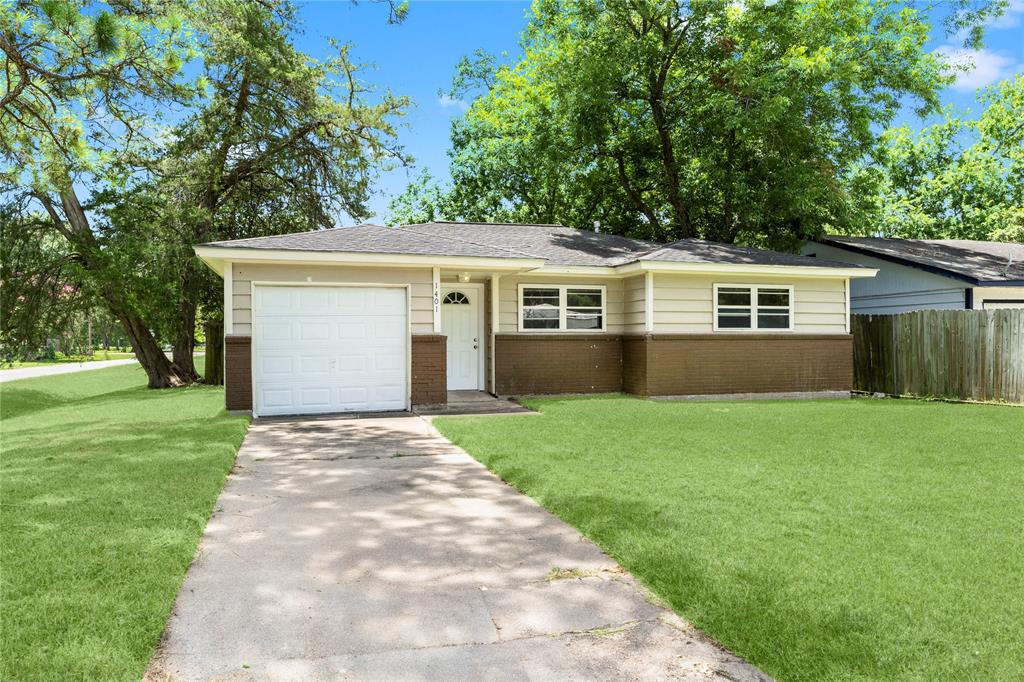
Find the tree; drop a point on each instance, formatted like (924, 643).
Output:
(263, 126)
(78, 81)
(663, 119)
(422, 201)
(958, 179)
(40, 282)
(284, 143)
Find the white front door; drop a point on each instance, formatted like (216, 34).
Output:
(324, 349)
(460, 322)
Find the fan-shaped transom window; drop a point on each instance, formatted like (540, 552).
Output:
(456, 298)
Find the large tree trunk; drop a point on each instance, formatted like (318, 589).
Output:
(74, 226)
(185, 337)
(214, 367)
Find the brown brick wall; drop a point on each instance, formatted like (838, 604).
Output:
(429, 369)
(238, 372)
(672, 364)
(697, 364)
(557, 363)
(634, 364)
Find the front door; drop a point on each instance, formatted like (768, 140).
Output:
(460, 322)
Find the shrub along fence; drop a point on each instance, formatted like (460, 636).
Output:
(966, 354)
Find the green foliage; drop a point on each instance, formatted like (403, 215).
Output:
(422, 201)
(957, 179)
(82, 78)
(41, 285)
(265, 140)
(729, 121)
(803, 535)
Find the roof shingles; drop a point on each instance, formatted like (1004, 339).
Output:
(555, 244)
(976, 261)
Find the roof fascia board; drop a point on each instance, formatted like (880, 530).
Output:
(578, 271)
(1000, 283)
(934, 269)
(745, 269)
(237, 255)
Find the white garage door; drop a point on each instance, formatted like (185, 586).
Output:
(329, 349)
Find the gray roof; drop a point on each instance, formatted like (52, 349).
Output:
(977, 262)
(556, 244)
(700, 251)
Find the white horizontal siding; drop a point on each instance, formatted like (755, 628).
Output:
(683, 303)
(634, 303)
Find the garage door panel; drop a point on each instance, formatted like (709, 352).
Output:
(274, 300)
(277, 397)
(313, 330)
(389, 299)
(351, 301)
(315, 301)
(353, 331)
(315, 365)
(388, 362)
(273, 331)
(270, 364)
(315, 397)
(330, 349)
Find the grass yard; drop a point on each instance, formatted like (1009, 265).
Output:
(826, 540)
(98, 356)
(106, 487)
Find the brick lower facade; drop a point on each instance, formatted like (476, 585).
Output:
(646, 365)
(634, 364)
(527, 364)
(708, 364)
(673, 364)
(429, 369)
(238, 372)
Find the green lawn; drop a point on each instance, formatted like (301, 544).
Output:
(105, 488)
(827, 540)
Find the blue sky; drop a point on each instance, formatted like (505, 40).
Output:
(417, 58)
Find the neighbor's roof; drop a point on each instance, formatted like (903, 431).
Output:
(555, 244)
(977, 262)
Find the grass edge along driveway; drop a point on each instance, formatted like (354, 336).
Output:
(820, 540)
(106, 487)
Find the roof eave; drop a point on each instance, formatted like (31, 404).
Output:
(933, 269)
(216, 256)
(746, 269)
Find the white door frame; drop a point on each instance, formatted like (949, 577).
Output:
(478, 291)
(360, 285)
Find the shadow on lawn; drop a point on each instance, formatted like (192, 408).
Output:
(17, 402)
(744, 606)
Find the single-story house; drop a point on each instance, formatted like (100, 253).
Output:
(923, 274)
(374, 318)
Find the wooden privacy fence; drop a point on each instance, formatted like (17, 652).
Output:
(966, 354)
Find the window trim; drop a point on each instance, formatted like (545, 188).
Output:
(563, 306)
(754, 329)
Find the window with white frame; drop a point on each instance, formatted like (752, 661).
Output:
(741, 307)
(561, 307)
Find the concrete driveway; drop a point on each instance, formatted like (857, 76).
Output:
(374, 549)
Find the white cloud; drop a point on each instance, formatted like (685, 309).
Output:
(976, 68)
(1012, 17)
(448, 102)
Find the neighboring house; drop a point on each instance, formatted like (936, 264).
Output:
(919, 274)
(375, 318)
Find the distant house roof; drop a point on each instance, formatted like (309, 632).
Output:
(555, 244)
(978, 262)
